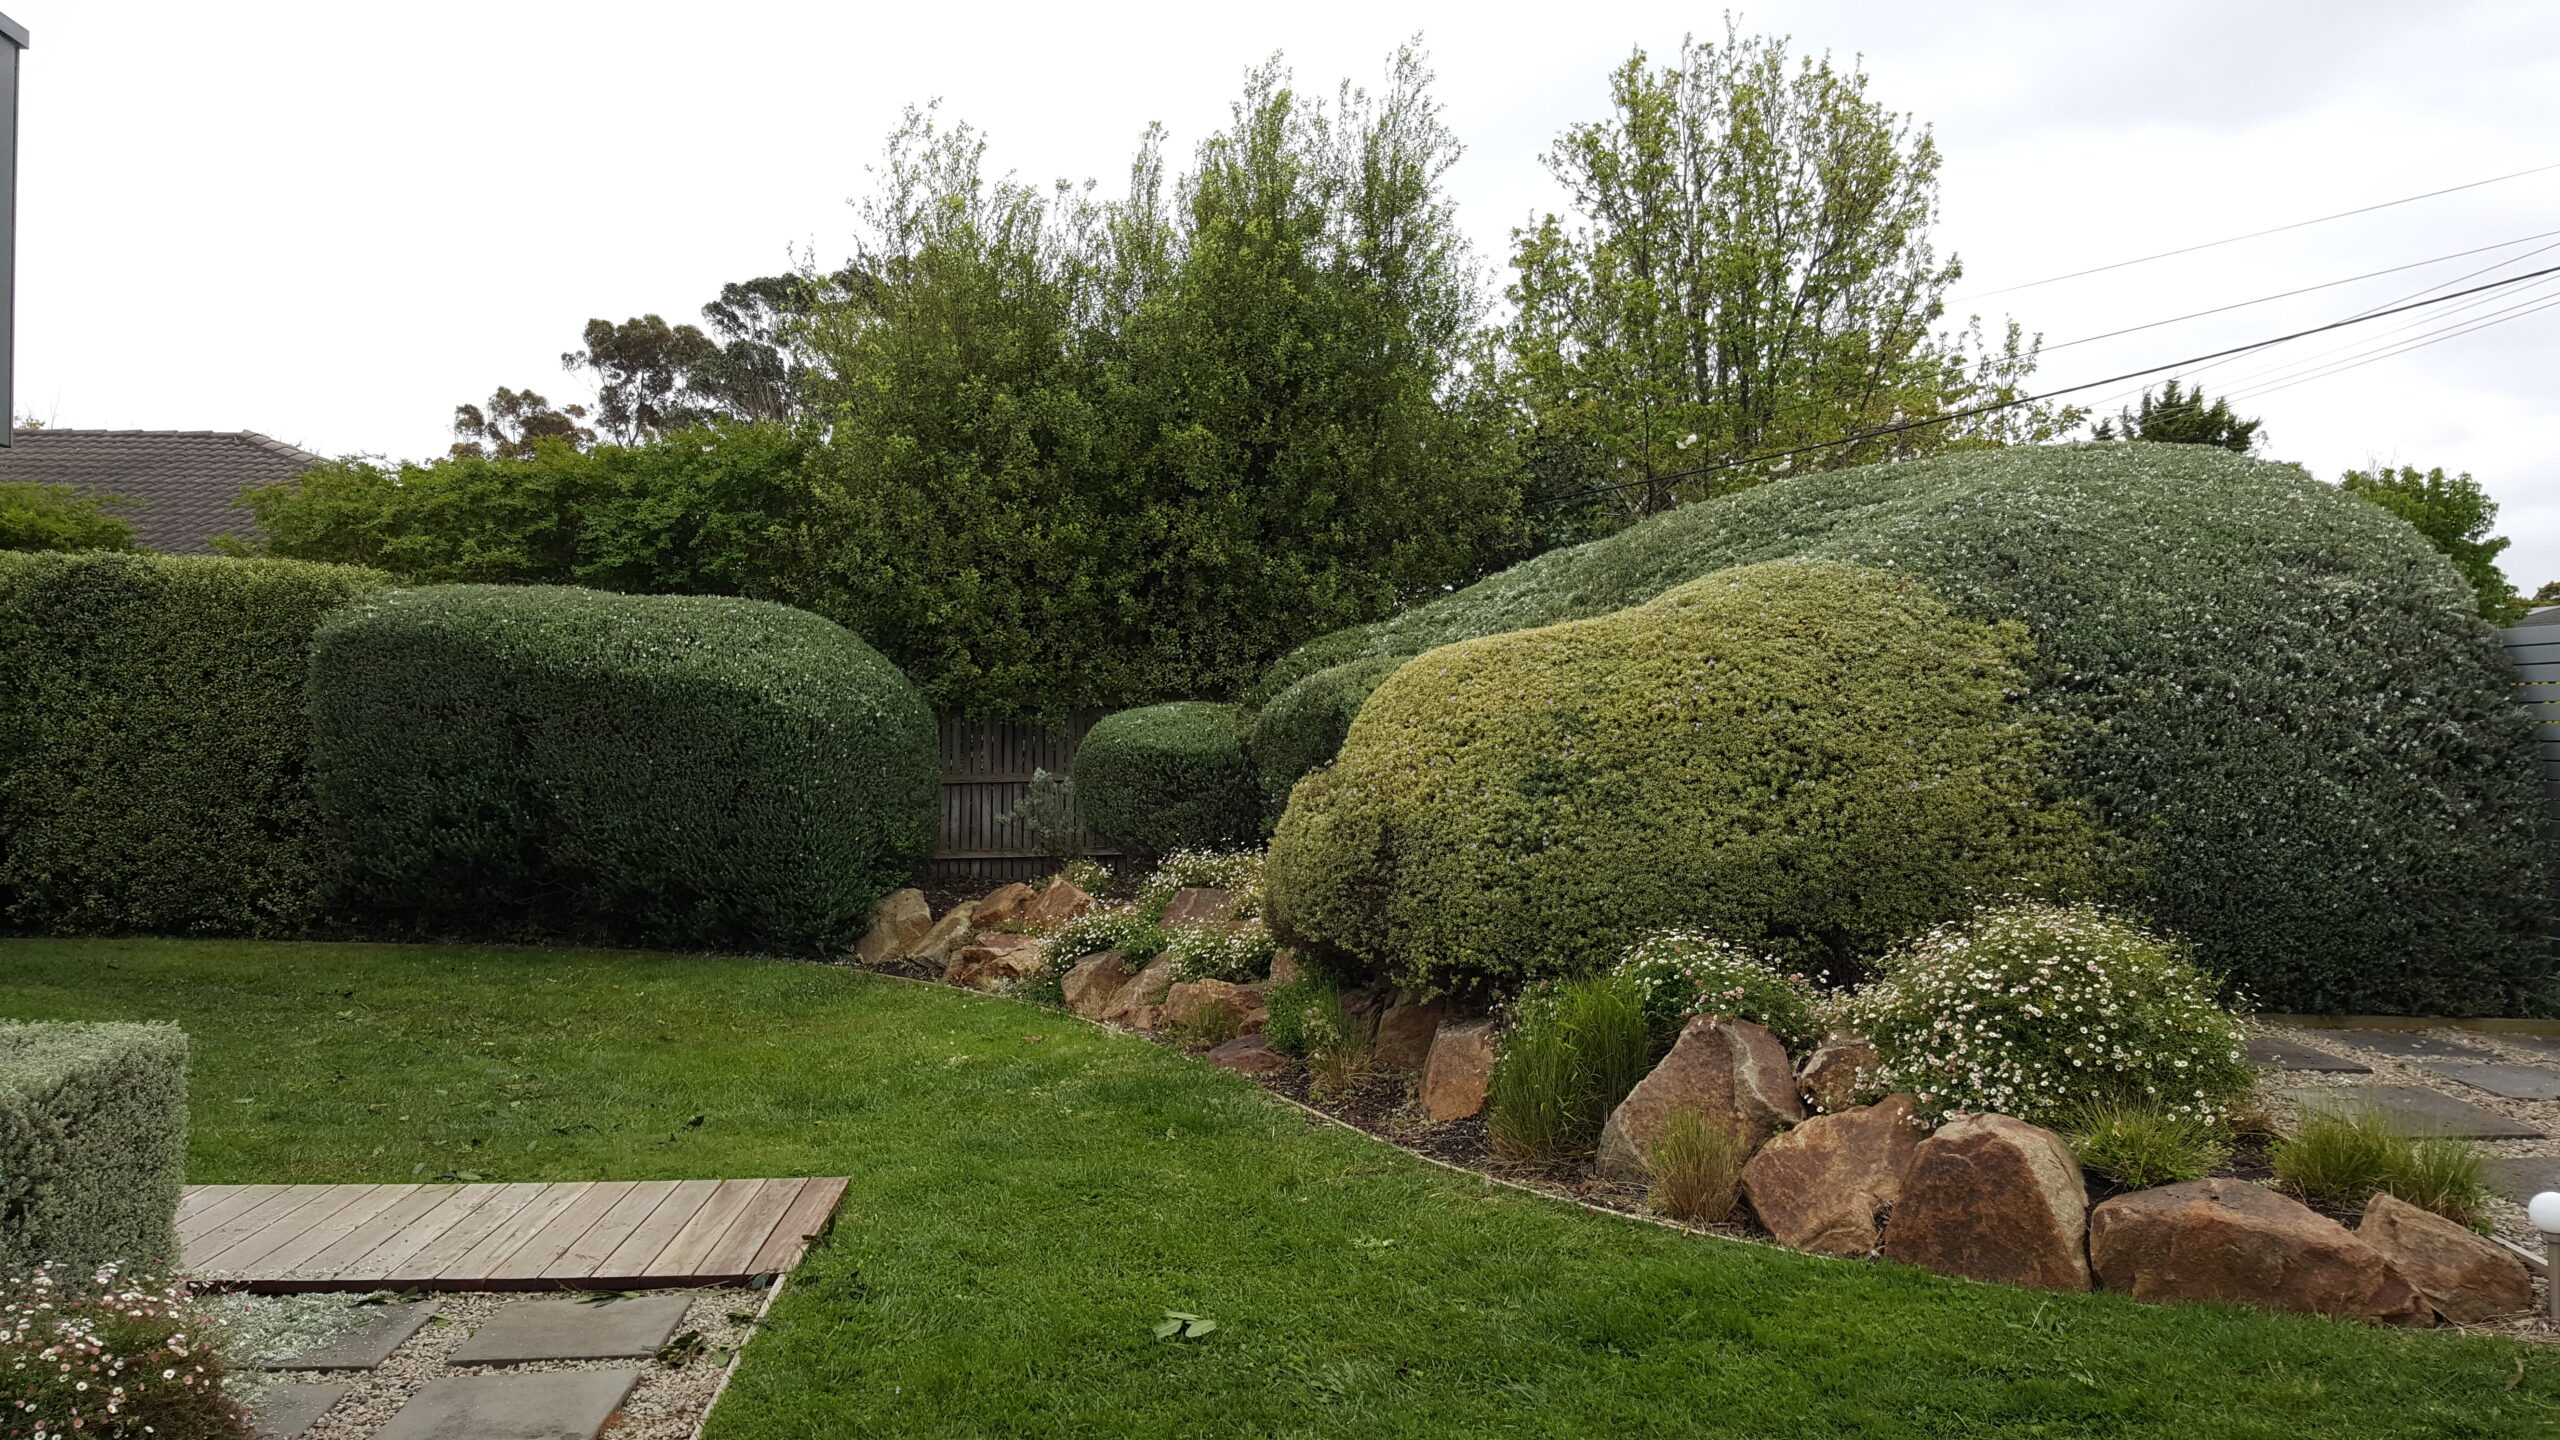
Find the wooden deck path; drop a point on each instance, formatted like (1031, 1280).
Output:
(578, 1235)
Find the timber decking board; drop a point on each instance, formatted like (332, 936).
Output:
(569, 1235)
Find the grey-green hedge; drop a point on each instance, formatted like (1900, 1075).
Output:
(153, 750)
(1303, 725)
(2279, 697)
(685, 771)
(1169, 777)
(93, 1144)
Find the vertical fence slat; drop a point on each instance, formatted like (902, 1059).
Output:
(986, 772)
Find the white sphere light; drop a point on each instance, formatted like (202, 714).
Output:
(2545, 1211)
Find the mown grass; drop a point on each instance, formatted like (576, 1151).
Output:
(1023, 1212)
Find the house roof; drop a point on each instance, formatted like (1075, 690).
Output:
(181, 482)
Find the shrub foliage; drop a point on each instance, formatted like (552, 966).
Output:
(93, 1145)
(1686, 973)
(1809, 758)
(1168, 778)
(98, 1355)
(153, 753)
(680, 771)
(2281, 697)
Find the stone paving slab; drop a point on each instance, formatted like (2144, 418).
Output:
(2537, 1044)
(390, 1329)
(2521, 1177)
(288, 1410)
(2269, 1053)
(2407, 1044)
(546, 1405)
(2513, 1082)
(2421, 1112)
(574, 1330)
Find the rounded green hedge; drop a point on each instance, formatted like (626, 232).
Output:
(1303, 726)
(153, 749)
(684, 771)
(2279, 697)
(1169, 777)
(1809, 758)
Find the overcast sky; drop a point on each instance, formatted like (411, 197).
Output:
(332, 222)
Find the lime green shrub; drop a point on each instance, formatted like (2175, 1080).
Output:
(1812, 759)
(153, 748)
(2285, 702)
(684, 771)
(93, 1145)
(1686, 972)
(2041, 1011)
(1169, 777)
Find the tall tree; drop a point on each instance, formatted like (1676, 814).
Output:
(514, 423)
(1748, 269)
(2457, 517)
(653, 378)
(2183, 418)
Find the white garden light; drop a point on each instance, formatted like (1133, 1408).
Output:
(2545, 1213)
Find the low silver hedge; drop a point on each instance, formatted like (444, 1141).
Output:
(93, 1144)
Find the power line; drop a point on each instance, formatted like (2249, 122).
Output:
(2255, 234)
(1952, 416)
(2517, 311)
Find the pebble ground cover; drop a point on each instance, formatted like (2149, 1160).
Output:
(1031, 1197)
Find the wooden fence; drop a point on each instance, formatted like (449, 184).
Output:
(2535, 649)
(986, 771)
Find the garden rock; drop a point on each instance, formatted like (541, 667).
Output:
(994, 958)
(1460, 1071)
(1005, 905)
(2226, 1239)
(1216, 1005)
(945, 940)
(1140, 1003)
(2466, 1278)
(1405, 1031)
(1833, 1073)
(1284, 967)
(1198, 905)
(1063, 901)
(1991, 1197)
(898, 924)
(1249, 1055)
(1092, 983)
(1820, 1186)
(1726, 1069)
(1360, 1009)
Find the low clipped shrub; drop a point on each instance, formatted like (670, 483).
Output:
(2278, 696)
(1697, 1167)
(2040, 1010)
(1305, 1017)
(1685, 973)
(1169, 777)
(153, 748)
(1811, 759)
(1303, 726)
(681, 771)
(1238, 872)
(1239, 952)
(1571, 1050)
(2138, 1145)
(1124, 928)
(99, 1355)
(93, 1145)
(2343, 1158)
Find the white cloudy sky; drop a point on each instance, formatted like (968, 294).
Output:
(333, 221)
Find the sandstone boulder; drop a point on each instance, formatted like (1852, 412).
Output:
(1061, 902)
(944, 940)
(993, 959)
(1990, 1197)
(2466, 1278)
(1140, 1003)
(1728, 1070)
(1459, 1071)
(1198, 905)
(1360, 1009)
(1216, 1005)
(2232, 1240)
(1404, 1034)
(1250, 1055)
(1820, 1186)
(1284, 967)
(1005, 905)
(1835, 1072)
(898, 924)
(1092, 983)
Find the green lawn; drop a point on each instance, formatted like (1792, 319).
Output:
(1024, 1209)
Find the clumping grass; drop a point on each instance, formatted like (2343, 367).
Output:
(2344, 1158)
(2137, 1145)
(1023, 1212)
(1697, 1167)
(1571, 1050)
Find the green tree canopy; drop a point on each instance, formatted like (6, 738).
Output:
(2179, 417)
(2457, 517)
(58, 517)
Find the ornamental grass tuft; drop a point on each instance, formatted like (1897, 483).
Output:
(1697, 1167)
(2342, 1158)
(2138, 1145)
(1571, 1050)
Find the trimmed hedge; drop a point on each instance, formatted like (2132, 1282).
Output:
(93, 1144)
(1812, 759)
(2279, 696)
(1169, 777)
(1304, 725)
(684, 771)
(152, 744)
